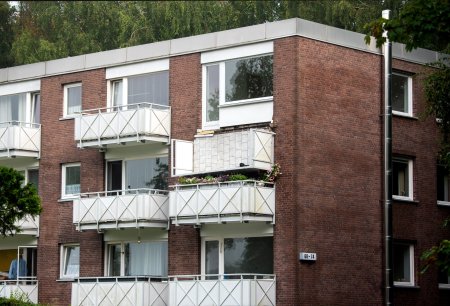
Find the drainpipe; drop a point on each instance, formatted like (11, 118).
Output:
(388, 165)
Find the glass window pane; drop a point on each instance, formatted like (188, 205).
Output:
(212, 257)
(249, 78)
(12, 108)
(402, 270)
(400, 178)
(73, 180)
(33, 177)
(114, 170)
(147, 173)
(248, 255)
(117, 93)
(73, 99)
(36, 108)
(399, 93)
(442, 184)
(212, 93)
(146, 258)
(114, 252)
(149, 88)
(72, 261)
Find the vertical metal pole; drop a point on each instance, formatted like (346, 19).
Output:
(388, 164)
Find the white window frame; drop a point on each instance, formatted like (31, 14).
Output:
(221, 239)
(446, 190)
(122, 254)
(63, 180)
(214, 125)
(409, 113)
(63, 261)
(445, 285)
(411, 267)
(66, 87)
(410, 196)
(29, 105)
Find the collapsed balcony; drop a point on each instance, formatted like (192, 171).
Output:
(131, 208)
(134, 123)
(20, 139)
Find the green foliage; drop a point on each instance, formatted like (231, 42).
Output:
(17, 298)
(237, 177)
(16, 200)
(420, 23)
(6, 34)
(437, 91)
(438, 255)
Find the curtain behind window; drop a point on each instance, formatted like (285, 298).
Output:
(149, 88)
(146, 258)
(12, 108)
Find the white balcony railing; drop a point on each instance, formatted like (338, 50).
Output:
(226, 290)
(132, 291)
(29, 225)
(20, 139)
(236, 201)
(246, 149)
(121, 209)
(25, 287)
(121, 124)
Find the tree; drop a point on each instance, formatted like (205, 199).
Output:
(426, 24)
(6, 34)
(16, 201)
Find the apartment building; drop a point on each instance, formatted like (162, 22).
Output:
(117, 142)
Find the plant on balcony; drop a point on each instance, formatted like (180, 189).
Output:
(270, 177)
(272, 174)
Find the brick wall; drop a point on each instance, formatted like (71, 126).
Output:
(419, 222)
(327, 116)
(58, 147)
(185, 101)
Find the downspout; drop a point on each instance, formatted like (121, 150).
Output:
(388, 165)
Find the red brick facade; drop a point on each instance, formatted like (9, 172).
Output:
(328, 120)
(59, 147)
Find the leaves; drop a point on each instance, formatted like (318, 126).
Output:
(16, 200)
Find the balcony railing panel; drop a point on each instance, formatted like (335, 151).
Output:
(20, 139)
(223, 202)
(27, 287)
(29, 225)
(226, 290)
(132, 123)
(231, 290)
(132, 291)
(121, 209)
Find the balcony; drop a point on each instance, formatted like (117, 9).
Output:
(29, 225)
(20, 139)
(131, 208)
(25, 287)
(238, 201)
(227, 290)
(247, 149)
(136, 123)
(230, 289)
(133, 291)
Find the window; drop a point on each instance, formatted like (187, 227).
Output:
(401, 94)
(70, 180)
(403, 264)
(149, 173)
(145, 88)
(442, 186)
(72, 99)
(13, 108)
(444, 280)
(137, 258)
(402, 179)
(241, 80)
(70, 261)
(237, 255)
